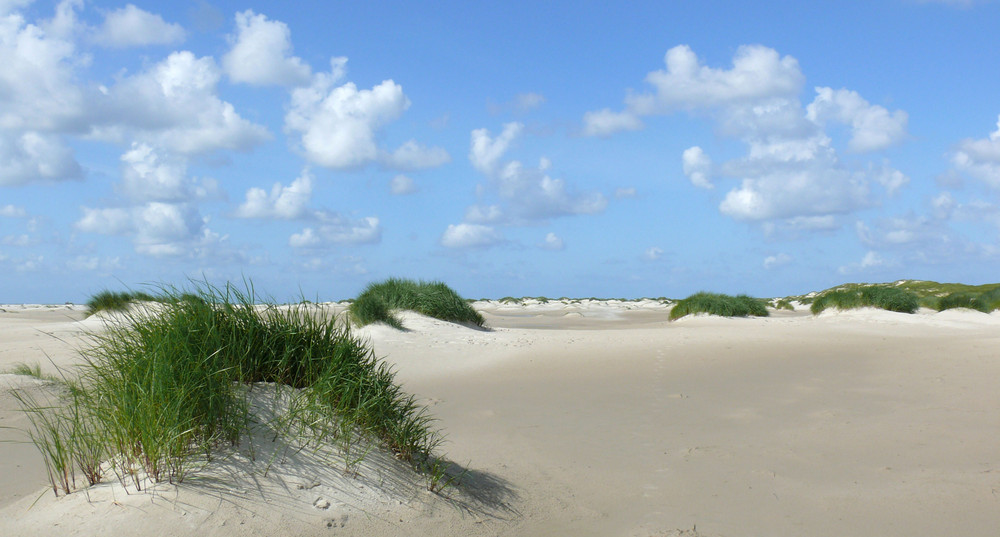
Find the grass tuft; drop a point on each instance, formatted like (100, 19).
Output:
(116, 300)
(885, 297)
(167, 382)
(379, 301)
(718, 304)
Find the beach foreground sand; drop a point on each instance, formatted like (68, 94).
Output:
(598, 418)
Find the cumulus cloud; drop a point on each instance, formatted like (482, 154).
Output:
(157, 229)
(133, 27)
(622, 193)
(12, 211)
(791, 172)
(652, 253)
(30, 156)
(697, 167)
(757, 73)
(413, 156)
(486, 151)
(148, 175)
(872, 127)
(607, 122)
(980, 158)
(261, 53)
(775, 261)
(402, 185)
(337, 126)
(553, 243)
(871, 260)
(484, 214)
(524, 102)
(335, 229)
(283, 202)
(462, 236)
(39, 91)
(174, 105)
(529, 191)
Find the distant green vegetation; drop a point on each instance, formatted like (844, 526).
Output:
(885, 297)
(718, 304)
(159, 387)
(985, 302)
(782, 304)
(116, 300)
(379, 301)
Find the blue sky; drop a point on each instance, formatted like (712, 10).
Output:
(516, 148)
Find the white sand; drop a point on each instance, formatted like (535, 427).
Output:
(603, 419)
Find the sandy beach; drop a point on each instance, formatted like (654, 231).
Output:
(596, 418)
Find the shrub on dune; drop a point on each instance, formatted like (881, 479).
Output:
(379, 301)
(984, 302)
(874, 296)
(718, 304)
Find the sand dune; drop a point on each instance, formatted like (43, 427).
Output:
(600, 418)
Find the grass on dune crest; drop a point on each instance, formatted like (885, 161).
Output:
(116, 300)
(379, 301)
(166, 383)
(887, 297)
(719, 304)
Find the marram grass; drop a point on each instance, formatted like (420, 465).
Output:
(719, 304)
(885, 297)
(171, 380)
(379, 301)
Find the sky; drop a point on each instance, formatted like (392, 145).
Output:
(513, 148)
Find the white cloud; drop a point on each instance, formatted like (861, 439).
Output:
(775, 261)
(553, 243)
(9, 6)
(653, 253)
(463, 235)
(105, 221)
(757, 73)
(174, 105)
(485, 151)
(791, 170)
(148, 175)
(524, 102)
(157, 229)
(484, 214)
(12, 211)
(130, 27)
(980, 157)
(872, 127)
(402, 185)
(622, 193)
(607, 122)
(39, 91)
(412, 156)
(338, 125)
(871, 260)
(334, 229)
(30, 156)
(530, 192)
(697, 167)
(283, 202)
(261, 53)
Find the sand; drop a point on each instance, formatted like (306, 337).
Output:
(599, 418)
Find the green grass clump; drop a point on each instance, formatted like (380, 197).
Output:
(890, 298)
(116, 300)
(165, 383)
(718, 304)
(985, 302)
(379, 301)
